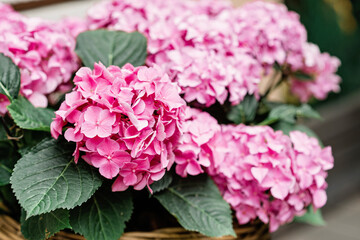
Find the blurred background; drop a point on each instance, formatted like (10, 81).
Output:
(335, 26)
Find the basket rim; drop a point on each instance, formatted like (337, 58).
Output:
(10, 230)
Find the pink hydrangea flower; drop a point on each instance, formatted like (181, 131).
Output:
(322, 67)
(125, 121)
(5, 9)
(193, 153)
(265, 174)
(215, 52)
(194, 42)
(273, 33)
(43, 51)
(74, 25)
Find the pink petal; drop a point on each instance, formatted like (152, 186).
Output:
(104, 131)
(97, 160)
(107, 147)
(130, 179)
(193, 168)
(92, 114)
(92, 143)
(70, 135)
(259, 173)
(56, 127)
(140, 106)
(305, 180)
(109, 170)
(168, 94)
(118, 185)
(160, 132)
(139, 124)
(89, 129)
(72, 98)
(106, 118)
(181, 170)
(142, 183)
(147, 74)
(38, 100)
(319, 198)
(279, 191)
(320, 181)
(121, 157)
(157, 176)
(76, 153)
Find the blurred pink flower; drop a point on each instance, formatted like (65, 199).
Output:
(322, 68)
(216, 52)
(43, 51)
(266, 174)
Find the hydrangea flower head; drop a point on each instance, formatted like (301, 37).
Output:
(216, 52)
(273, 33)
(265, 174)
(322, 68)
(43, 51)
(124, 121)
(193, 153)
(193, 41)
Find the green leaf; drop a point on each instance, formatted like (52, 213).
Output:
(46, 178)
(197, 204)
(9, 77)
(111, 48)
(103, 217)
(245, 111)
(284, 112)
(286, 128)
(311, 217)
(289, 113)
(27, 116)
(162, 183)
(45, 225)
(301, 76)
(307, 111)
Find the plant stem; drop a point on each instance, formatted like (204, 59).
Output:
(267, 122)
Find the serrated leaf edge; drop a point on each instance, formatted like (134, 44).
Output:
(193, 229)
(30, 152)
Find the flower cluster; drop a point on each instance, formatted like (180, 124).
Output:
(132, 124)
(193, 42)
(266, 174)
(322, 68)
(214, 51)
(193, 152)
(126, 121)
(271, 32)
(43, 51)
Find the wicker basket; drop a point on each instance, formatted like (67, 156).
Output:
(10, 230)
